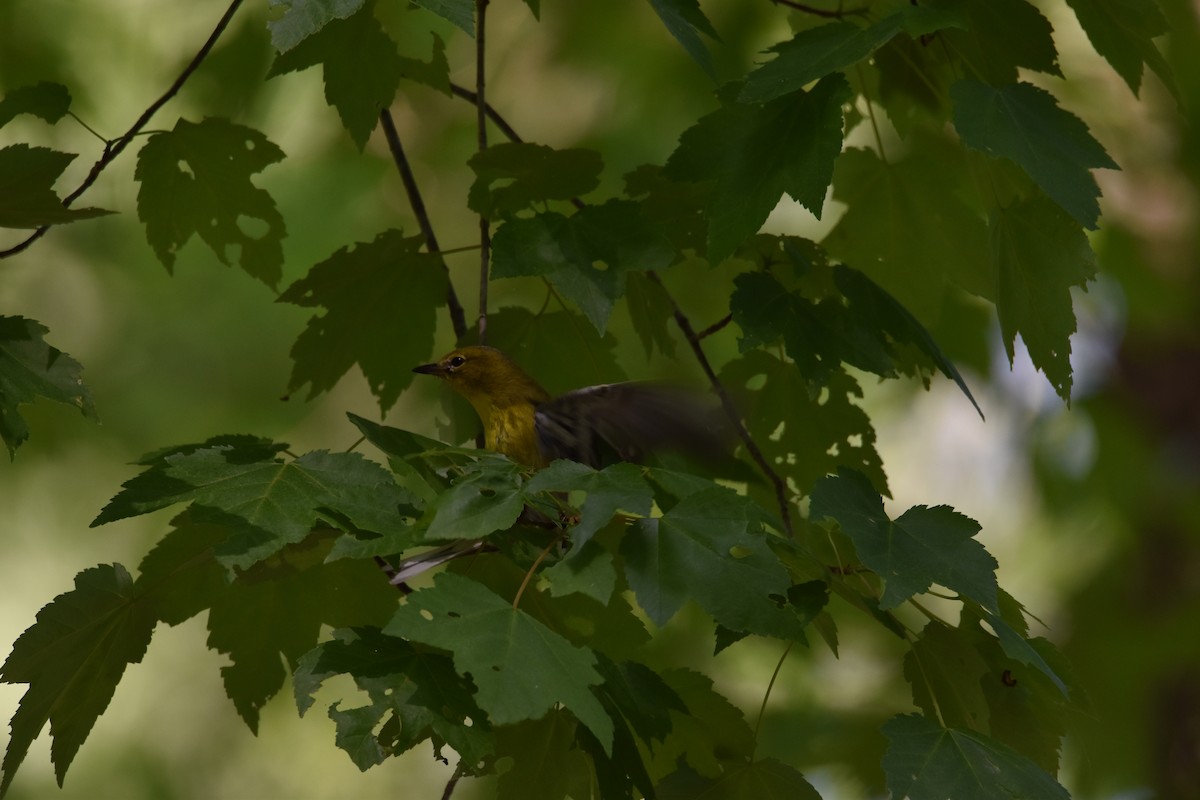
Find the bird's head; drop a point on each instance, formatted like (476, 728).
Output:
(486, 377)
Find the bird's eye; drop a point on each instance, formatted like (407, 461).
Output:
(457, 361)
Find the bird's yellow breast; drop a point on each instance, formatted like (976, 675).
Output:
(511, 430)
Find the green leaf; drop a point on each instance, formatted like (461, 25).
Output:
(419, 686)
(619, 487)
(585, 256)
(768, 779)
(459, 12)
(196, 179)
(1000, 36)
(50, 101)
(589, 571)
(927, 762)
(72, 658)
(713, 729)
(803, 435)
(877, 312)
(434, 73)
(1038, 254)
(686, 21)
(1123, 31)
(530, 174)
(521, 667)
(710, 548)
(380, 300)
(754, 154)
(642, 696)
(1024, 124)
(27, 198)
(946, 673)
(1026, 708)
(280, 608)
(488, 498)
(650, 312)
(303, 18)
(908, 226)
(181, 575)
(152, 489)
(815, 53)
(544, 761)
(31, 368)
(266, 504)
(361, 67)
(921, 547)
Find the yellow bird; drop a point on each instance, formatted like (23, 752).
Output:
(596, 425)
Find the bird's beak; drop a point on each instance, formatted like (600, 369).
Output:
(430, 369)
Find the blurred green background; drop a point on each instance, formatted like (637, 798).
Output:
(1093, 512)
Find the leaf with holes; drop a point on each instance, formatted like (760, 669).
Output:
(196, 180)
(380, 300)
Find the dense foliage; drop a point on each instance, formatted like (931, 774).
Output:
(958, 180)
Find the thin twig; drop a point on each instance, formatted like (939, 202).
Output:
(454, 779)
(492, 113)
(485, 233)
(689, 333)
(715, 327)
(821, 12)
(114, 148)
(457, 318)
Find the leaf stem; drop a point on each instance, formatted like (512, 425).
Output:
(457, 318)
(762, 709)
(113, 148)
(537, 561)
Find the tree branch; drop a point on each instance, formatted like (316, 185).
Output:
(457, 318)
(715, 327)
(114, 148)
(689, 333)
(492, 114)
(485, 233)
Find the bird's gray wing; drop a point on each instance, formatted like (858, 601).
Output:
(629, 421)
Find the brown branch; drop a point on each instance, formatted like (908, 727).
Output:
(485, 232)
(689, 333)
(114, 148)
(715, 327)
(821, 12)
(457, 317)
(492, 114)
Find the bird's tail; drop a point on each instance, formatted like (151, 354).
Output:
(431, 558)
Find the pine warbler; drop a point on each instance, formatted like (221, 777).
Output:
(595, 425)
